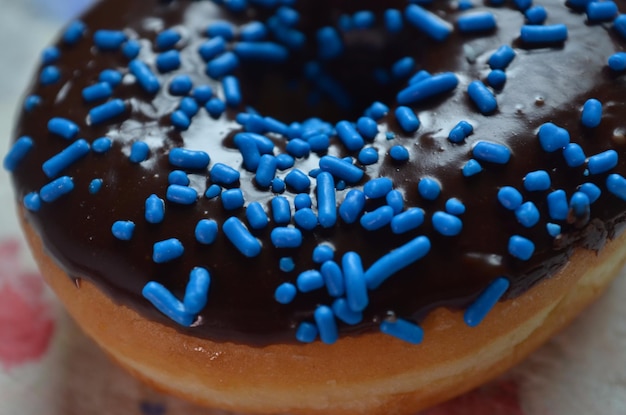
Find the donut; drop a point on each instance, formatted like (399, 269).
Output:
(306, 207)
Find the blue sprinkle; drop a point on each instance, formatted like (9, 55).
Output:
(455, 207)
(97, 92)
(178, 177)
(367, 127)
(446, 224)
(222, 29)
(407, 119)
(427, 22)
(521, 248)
(206, 231)
(471, 168)
(215, 107)
(249, 151)
(429, 188)
(59, 162)
(50, 55)
(352, 206)
(306, 219)
(309, 281)
(56, 188)
(536, 15)
(181, 194)
(363, 19)
(167, 250)
(482, 97)
(368, 156)
(460, 132)
(18, 151)
(602, 11)
(212, 191)
(406, 221)
(522, 4)
(189, 107)
(537, 181)
(95, 185)
(419, 77)
(553, 137)
(602, 162)
(253, 31)
(344, 313)
(302, 200)
(377, 188)
(326, 324)
(107, 111)
(617, 61)
(109, 39)
(180, 85)
(31, 102)
(212, 48)
(139, 152)
(165, 302)
(592, 191)
(326, 199)
(266, 170)
(491, 152)
(378, 218)
(284, 161)
(306, 332)
(349, 136)
(334, 278)
(553, 229)
(101, 145)
(477, 312)
(285, 237)
(393, 20)
(323, 253)
(297, 180)
(394, 261)
(341, 169)
(155, 209)
(619, 24)
(272, 125)
(288, 16)
(285, 293)
(74, 32)
(527, 214)
(232, 91)
(278, 185)
(496, 79)
(428, 88)
(557, 205)
(298, 148)
(167, 39)
(145, 77)
(241, 238)
(131, 49)
(261, 51)
(32, 201)
(257, 218)
(223, 174)
(197, 290)
(377, 110)
(63, 127)
(319, 143)
(202, 94)
(403, 67)
(616, 184)
(399, 153)
(574, 155)
(123, 230)
(476, 22)
(222, 65)
(510, 197)
(403, 330)
(281, 210)
(579, 203)
(354, 280)
(232, 199)
(286, 264)
(111, 77)
(168, 61)
(502, 57)
(532, 35)
(592, 113)
(188, 159)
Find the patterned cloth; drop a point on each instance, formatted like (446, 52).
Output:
(47, 366)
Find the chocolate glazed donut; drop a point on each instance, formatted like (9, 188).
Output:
(307, 174)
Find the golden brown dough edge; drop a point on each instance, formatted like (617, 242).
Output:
(369, 374)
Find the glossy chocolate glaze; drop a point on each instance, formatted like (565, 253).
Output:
(544, 84)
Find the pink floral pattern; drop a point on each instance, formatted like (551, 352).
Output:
(27, 321)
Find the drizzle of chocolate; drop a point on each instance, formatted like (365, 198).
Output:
(543, 85)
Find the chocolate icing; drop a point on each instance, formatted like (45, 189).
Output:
(544, 84)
